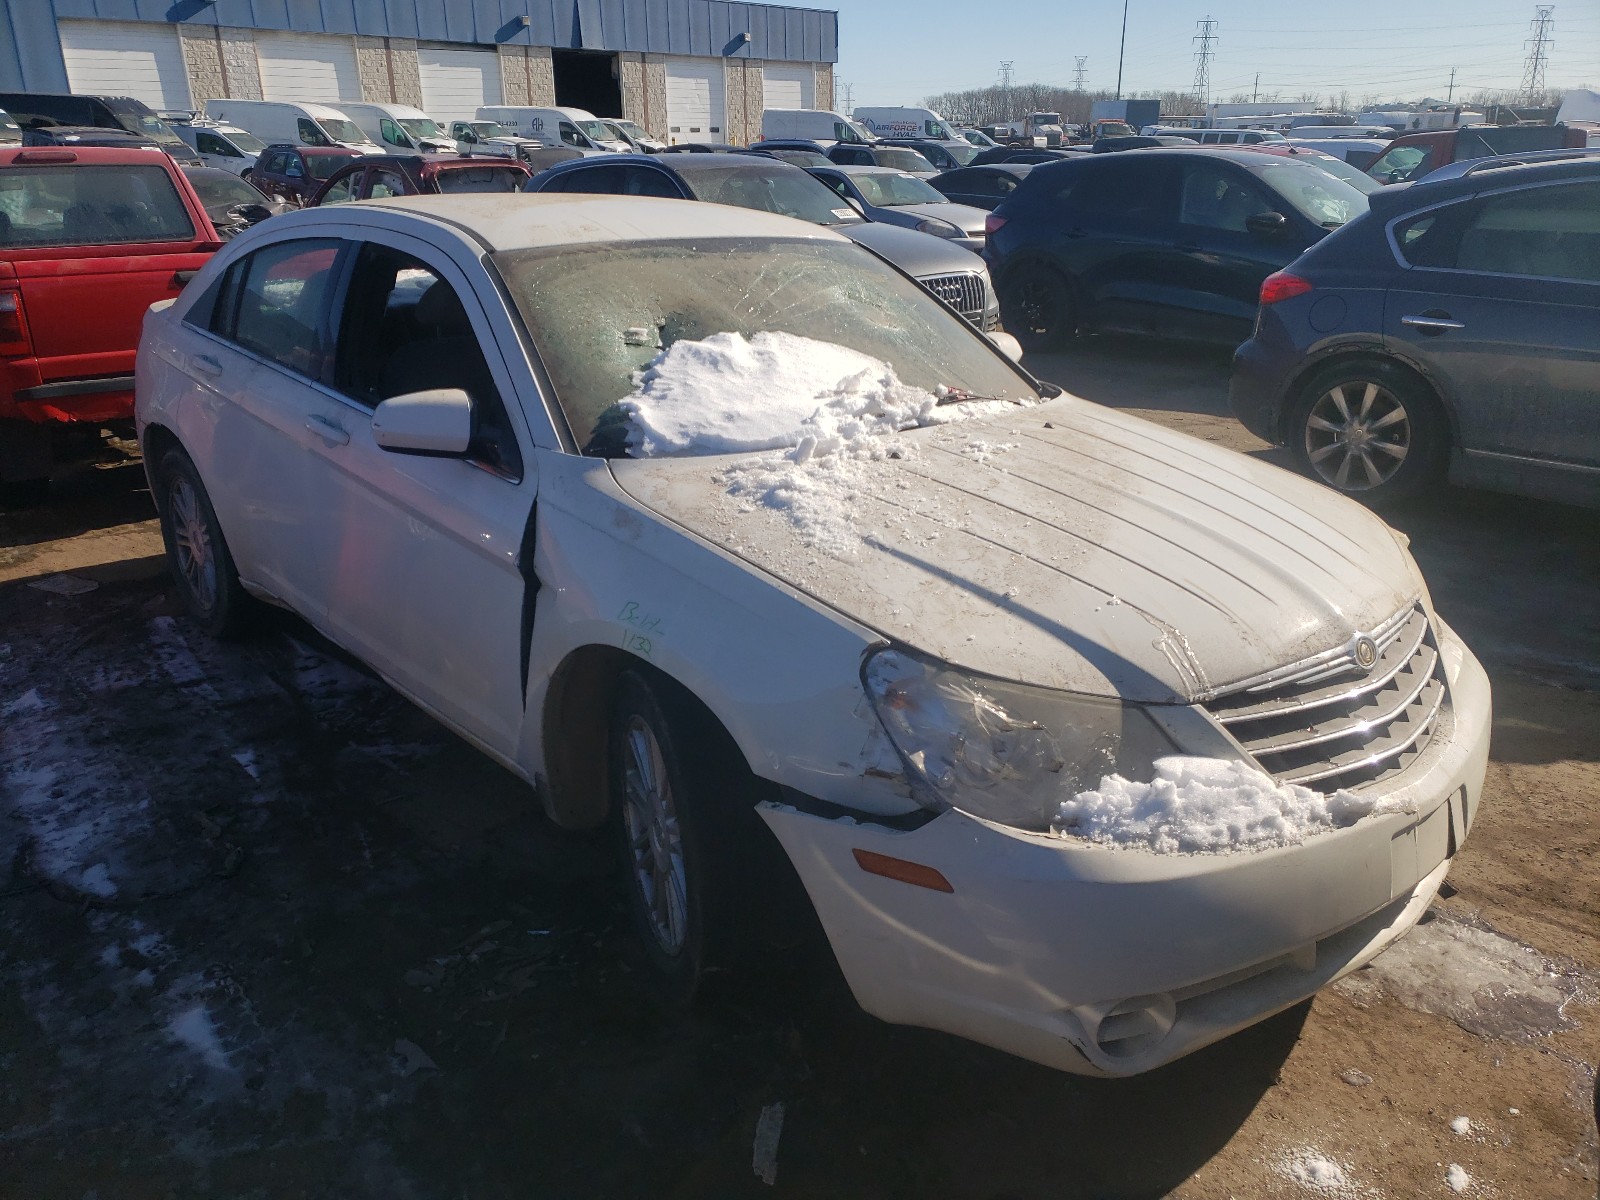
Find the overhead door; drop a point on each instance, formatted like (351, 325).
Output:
(456, 83)
(789, 87)
(125, 58)
(308, 68)
(697, 94)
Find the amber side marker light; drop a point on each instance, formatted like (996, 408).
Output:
(898, 868)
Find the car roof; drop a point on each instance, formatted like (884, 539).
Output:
(317, 149)
(860, 169)
(1481, 174)
(539, 220)
(87, 155)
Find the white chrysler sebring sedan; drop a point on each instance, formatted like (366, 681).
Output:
(1088, 740)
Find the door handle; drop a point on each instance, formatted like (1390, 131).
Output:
(1430, 324)
(329, 431)
(206, 364)
(182, 277)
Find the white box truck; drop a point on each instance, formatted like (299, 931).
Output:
(298, 124)
(399, 127)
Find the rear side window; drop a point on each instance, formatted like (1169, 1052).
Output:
(1545, 232)
(1140, 191)
(72, 205)
(386, 183)
(276, 304)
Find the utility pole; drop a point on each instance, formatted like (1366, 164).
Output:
(1255, 90)
(1538, 53)
(1202, 60)
(1123, 45)
(1080, 71)
(1450, 91)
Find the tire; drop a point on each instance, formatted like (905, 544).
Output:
(202, 567)
(690, 844)
(1037, 308)
(1369, 429)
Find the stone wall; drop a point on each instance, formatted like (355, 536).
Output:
(654, 95)
(824, 98)
(630, 77)
(221, 63)
(527, 75)
(389, 71)
(746, 99)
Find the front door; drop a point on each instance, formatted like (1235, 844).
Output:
(428, 554)
(1499, 305)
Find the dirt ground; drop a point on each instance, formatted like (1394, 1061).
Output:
(267, 931)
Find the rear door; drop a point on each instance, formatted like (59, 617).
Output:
(93, 246)
(1114, 227)
(1500, 305)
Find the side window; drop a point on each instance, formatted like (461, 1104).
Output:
(385, 183)
(390, 132)
(1550, 232)
(405, 330)
(462, 132)
(342, 190)
(273, 163)
(292, 167)
(310, 133)
(599, 181)
(570, 135)
(1141, 191)
(645, 181)
(209, 143)
(1214, 197)
(837, 183)
(280, 305)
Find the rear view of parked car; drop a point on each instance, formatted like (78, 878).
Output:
(89, 239)
(981, 187)
(1169, 242)
(1452, 330)
(295, 173)
(378, 175)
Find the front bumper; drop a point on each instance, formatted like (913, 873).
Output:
(1111, 962)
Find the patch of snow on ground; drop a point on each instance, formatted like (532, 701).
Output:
(1317, 1173)
(1461, 1126)
(1457, 1178)
(830, 412)
(29, 701)
(97, 881)
(1206, 805)
(194, 1028)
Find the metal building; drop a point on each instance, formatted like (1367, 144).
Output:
(687, 70)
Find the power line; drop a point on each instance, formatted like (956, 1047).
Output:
(1080, 71)
(1202, 60)
(1538, 52)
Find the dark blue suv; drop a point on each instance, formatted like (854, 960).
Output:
(1455, 328)
(1173, 242)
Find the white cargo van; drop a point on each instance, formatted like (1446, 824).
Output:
(572, 127)
(906, 123)
(298, 124)
(820, 125)
(224, 146)
(399, 127)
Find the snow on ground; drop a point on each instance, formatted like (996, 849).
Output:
(1319, 1174)
(1457, 1178)
(830, 413)
(1461, 1126)
(1205, 805)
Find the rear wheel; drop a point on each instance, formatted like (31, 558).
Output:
(1369, 429)
(1037, 308)
(202, 567)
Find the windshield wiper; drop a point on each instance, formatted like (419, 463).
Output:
(955, 395)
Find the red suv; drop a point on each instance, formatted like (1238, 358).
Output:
(294, 173)
(420, 175)
(89, 239)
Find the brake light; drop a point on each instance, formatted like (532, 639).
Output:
(1283, 286)
(991, 224)
(46, 156)
(13, 327)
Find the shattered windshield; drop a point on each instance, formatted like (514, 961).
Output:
(748, 315)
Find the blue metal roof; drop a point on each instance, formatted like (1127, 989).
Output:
(30, 47)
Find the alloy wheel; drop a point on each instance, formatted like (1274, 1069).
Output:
(1357, 435)
(655, 838)
(191, 540)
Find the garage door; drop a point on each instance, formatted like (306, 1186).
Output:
(697, 93)
(125, 58)
(456, 83)
(308, 68)
(789, 87)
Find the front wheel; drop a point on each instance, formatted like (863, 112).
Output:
(1037, 308)
(202, 567)
(1369, 429)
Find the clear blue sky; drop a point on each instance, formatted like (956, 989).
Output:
(898, 51)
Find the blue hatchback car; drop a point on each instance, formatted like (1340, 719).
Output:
(1454, 330)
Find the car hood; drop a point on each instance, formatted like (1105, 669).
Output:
(917, 254)
(1073, 547)
(963, 216)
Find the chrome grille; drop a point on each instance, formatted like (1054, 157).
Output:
(963, 292)
(1330, 723)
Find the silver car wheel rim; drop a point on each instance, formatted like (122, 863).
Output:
(191, 542)
(655, 839)
(1358, 435)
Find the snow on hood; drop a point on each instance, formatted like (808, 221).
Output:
(1061, 544)
(1207, 805)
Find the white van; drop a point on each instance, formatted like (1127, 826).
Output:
(820, 125)
(297, 124)
(399, 127)
(906, 123)
(224, 146)
(572, 127)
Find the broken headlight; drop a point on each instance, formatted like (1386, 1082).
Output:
(1007, 752)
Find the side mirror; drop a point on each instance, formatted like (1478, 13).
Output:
(1266, 224)
(436, 422)
(1007, 345)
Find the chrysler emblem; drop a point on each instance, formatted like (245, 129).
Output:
(1366, 653)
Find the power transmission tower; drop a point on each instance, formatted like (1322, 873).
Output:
(849, 98)
(1005, 74)
(1538, 53)
(1080, 71)
(1202, 60)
